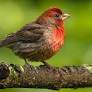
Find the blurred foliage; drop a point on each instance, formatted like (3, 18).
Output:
(78, 31)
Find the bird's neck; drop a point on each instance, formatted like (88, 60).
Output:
(58, 34)
(58, 38)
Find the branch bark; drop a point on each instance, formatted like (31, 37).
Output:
(28, 76)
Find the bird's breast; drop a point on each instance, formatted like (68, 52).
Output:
(57, 40)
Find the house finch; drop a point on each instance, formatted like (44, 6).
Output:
(39, 40)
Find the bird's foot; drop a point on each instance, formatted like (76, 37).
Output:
(26, 62)
(46, 64)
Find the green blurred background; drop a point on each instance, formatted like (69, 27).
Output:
(78, 32)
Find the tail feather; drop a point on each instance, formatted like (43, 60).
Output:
(8, 41)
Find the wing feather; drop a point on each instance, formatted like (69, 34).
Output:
(29, 33)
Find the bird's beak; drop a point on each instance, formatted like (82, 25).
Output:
(65, 16)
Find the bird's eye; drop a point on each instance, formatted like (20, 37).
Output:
(57, 16)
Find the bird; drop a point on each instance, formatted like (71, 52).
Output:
(39, 40)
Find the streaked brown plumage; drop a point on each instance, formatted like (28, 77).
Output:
(39, 40)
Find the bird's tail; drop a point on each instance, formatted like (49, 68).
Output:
(3, 43)
(8, 40)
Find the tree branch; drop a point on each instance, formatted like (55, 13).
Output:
(27, 76)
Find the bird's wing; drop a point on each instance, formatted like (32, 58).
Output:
(29, 33)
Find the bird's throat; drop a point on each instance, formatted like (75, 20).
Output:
(58, 39)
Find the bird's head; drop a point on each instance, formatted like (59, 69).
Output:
(53, 16)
